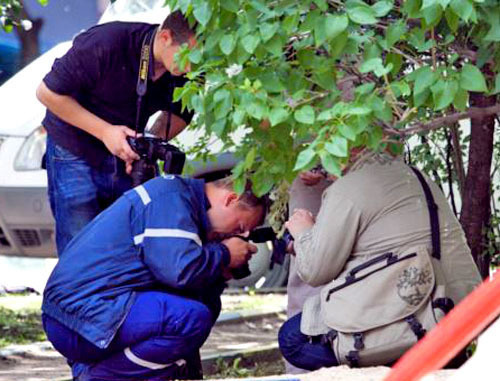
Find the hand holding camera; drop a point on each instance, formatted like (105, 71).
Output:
(240, 251)
(115, 139)
(299, 222)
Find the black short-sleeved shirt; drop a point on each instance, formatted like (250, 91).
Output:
(100, 72)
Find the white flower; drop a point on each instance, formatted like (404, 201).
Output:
(2, 20)
(26, 24)
(233, 70)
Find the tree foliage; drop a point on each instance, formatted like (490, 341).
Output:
(305, 81)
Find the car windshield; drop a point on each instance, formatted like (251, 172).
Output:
(152, 11)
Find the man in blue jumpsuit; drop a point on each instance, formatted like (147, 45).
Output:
(136, 292)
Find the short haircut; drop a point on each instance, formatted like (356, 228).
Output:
(247, 199)
(178, 25)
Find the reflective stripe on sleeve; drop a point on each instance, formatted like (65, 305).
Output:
(149, 364)
(161, 233)
(143, 194)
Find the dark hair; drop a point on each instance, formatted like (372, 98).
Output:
(179, 26)
(247, 199)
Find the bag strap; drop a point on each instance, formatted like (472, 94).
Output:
(433, 214)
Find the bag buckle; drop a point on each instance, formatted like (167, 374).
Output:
(353, 358)
(358, 341)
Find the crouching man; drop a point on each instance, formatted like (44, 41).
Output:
(135, 294)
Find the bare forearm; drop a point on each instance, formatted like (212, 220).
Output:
(160, 125)
(69, 110)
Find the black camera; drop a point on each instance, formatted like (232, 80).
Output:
(150, 150)
(263, 235)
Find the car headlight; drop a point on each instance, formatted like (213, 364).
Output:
(29, 157)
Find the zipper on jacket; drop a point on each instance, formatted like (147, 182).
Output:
(351, 278)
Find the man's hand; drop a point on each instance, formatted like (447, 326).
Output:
(115, 140)
(311, 178)
(300, 221)
(241, 251)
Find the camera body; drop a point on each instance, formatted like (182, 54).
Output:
(150, 150)
(265, 234)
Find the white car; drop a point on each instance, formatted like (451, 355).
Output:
(26, 222)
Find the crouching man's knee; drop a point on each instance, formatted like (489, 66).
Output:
(195, 324)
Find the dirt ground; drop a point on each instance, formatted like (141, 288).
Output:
(40, 362)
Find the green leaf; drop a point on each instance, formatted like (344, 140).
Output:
(250, 158)
(322, 4)
(425, 78)
(420, 98)
(433, 14)
(267, 30)
(305, 115)
(494, 32)
(338, 146)
(461, 98)
(218, 127)
(496, 90)
(239, 184)
(362, 15)
(452, 19)
(330, 164)
(382, 8)
(275, 47)
(356, 110)
(230, 5)
(472, 79)
(375, 137)
(203, 12)
(396, 60)
(365, 88)
(278, 115)
(250, 42)
(335, 25)
(227, 44)
(238, 116)
(347, 131)
(304, 159)
(463, 8)
(262, 185)
(213, 39)
(256, 109)
(376, 65)
(394, 33)
(443, 93)
(429, 3)
(195, 56)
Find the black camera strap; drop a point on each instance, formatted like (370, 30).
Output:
(145, 67)
(433, 214)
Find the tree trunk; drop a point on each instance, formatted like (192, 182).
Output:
(30, 48)
(476, 212)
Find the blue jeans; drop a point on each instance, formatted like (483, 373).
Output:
(303, 351)
(79, 192)
(160, 330)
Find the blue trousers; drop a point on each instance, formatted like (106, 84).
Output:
(303, 351)
(78, 192)
(159, 340)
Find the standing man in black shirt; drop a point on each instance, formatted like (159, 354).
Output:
(91, 99)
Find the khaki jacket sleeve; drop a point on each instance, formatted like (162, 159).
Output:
(323, 250)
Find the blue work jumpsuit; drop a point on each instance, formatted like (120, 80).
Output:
(136, 292)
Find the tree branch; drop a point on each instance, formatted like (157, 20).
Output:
(448, 120)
